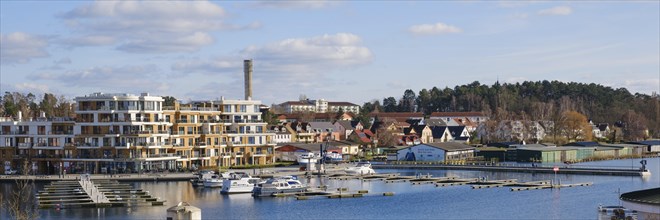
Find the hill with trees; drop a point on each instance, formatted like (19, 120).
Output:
(540, 100)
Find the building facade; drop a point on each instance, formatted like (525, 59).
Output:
(123, 133)
(319, 106)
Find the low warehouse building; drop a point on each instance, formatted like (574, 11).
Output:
(445, 151)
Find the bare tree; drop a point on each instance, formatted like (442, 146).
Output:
(22, 202)
(634, 127)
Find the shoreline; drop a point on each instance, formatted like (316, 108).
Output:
(166, 176)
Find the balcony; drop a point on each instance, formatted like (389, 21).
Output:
(60, 132)
(86, 145)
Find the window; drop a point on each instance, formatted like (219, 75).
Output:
(250, 140)
(243, 108)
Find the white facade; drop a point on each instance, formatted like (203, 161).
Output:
(421, 153)
(319, 106)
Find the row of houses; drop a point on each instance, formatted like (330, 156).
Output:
(131, 133)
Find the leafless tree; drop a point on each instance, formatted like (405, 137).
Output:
(634, 127)
(21, 203)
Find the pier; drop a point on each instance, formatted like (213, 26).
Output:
(93, 193)
(606, 171)
(476, 183)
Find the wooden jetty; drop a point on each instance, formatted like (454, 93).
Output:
(93, 193)
(608, 171)
(476, 183)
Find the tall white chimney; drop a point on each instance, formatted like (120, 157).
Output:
(247, 69)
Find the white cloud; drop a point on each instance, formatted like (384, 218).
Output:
(19, 47)
(431, 29)
(148, 26)
(559, 10)
(641, 85)
(83, 41)
(302, 64)
(125, 78)
(315, 4)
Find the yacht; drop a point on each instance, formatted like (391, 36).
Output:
(201, 176)
(239, 182)
(215, 180)
(361, 168)
(273, 186)
(333, 157)
(308, 157)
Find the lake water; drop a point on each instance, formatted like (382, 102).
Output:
(409, 202)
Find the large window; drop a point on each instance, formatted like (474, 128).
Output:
(243, 108)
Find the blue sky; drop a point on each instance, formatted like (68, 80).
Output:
(337, 50)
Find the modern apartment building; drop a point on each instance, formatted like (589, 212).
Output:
(135, 133)
(248, 139)
(319, 106)
(45, 143)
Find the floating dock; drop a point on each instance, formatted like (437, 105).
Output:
(93, 193)
(524, 169)
(476, 183)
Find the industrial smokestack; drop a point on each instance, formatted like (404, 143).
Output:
(247, 68)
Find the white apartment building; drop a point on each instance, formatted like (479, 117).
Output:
(319, 106)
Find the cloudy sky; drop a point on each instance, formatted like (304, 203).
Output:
(341, 51)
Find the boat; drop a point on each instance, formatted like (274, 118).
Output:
(333, 157)
(239, 182)
(616, 212)
(361, 168)
(201, 176)
(308, 157)
(215, 180)
(274, 186)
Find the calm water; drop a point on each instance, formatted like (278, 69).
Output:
(409, 202)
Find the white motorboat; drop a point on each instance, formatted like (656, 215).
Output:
(333, 157)
(239, 182)
(215, 180)
(201, 176)
(278, 185)
(308, 157)
(361, 168)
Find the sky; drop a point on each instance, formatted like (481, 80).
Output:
(354, 51)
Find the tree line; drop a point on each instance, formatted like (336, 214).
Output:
(537, 101)
(31, 106)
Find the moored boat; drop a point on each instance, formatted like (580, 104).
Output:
(201, 176)
(278, 185)
(361, 168)
(239, 182)
(215, 180)
(308, 158)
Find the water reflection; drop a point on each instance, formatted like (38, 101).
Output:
(419, 201)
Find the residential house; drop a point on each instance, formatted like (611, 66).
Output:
(477, 117)
(441, 134)
(459, 133)
(323, 131)
(302, 132)
(424, 133)
(345, 128)
(282, 134)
